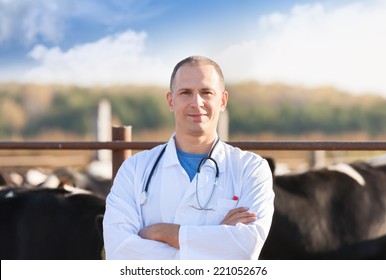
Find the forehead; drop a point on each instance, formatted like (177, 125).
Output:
(196, 76)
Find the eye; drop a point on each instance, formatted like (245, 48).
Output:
(206, 93)
(185, 92)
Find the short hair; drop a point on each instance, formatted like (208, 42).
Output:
(197, 60)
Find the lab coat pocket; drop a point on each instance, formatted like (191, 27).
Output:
(229, 204)
(223, 206)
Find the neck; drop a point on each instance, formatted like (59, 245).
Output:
(195, 144)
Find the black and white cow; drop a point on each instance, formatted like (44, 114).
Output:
(53, 224)
(10, 179)
(57, 178)
(337, 212)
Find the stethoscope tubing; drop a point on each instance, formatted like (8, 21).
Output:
(153, 169)
(144, 193)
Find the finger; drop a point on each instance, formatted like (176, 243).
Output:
(236, 210)
(144, 233)
(244, 217)
(244, 220)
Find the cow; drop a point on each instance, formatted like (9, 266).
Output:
(338, 212)
(49, 224)
(82, 181)
(57, 178)
(10, 179)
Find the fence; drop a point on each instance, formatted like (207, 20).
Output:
(121, 145)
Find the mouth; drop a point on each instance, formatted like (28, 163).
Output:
(197, 116)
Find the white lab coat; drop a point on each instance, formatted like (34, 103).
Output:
(170, 197)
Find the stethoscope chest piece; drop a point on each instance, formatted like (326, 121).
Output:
(143, 198)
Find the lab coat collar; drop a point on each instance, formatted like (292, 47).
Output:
(171, 154)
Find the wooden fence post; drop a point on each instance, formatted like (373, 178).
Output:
(103, 130)
(317, 159)
(120, 133)
(223, 126)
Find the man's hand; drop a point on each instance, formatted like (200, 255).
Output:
(166, 233)
(239, 215)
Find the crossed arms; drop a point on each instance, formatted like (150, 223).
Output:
(239, 235)
(168, 233)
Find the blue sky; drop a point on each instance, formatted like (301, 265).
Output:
(337, 43)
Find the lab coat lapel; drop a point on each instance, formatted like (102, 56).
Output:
(218, 154)
(173, 183)
(177, 191)
(206, 178)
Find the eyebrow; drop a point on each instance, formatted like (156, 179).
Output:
(208, 89)
(189, 89)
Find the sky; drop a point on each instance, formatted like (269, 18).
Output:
(340, 43)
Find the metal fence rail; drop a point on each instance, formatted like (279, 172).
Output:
(121, 146)
(246, 145)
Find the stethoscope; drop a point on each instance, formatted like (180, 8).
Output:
(144, 194)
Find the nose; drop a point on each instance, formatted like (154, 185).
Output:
(197, 100)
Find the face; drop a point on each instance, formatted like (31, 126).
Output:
(197, 100)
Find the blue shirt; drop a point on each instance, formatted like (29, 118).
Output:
(190, 162)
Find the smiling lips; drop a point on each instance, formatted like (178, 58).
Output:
(197, 116)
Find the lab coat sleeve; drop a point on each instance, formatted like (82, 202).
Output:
(122, 222)
(240, 241)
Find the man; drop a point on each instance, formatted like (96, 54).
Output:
(195, 197)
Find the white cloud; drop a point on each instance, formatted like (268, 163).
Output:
(313, 46)
(310, 45)
(115, 59)
(25, 21)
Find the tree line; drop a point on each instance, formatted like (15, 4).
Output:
(28, 110)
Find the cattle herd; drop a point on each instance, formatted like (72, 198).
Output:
(58, 219)
(337, 212)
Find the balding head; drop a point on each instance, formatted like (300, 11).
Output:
(197, 60)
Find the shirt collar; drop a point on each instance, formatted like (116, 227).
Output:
(171, 158)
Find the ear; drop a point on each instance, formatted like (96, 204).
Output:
(224, 101)
(169, 100)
